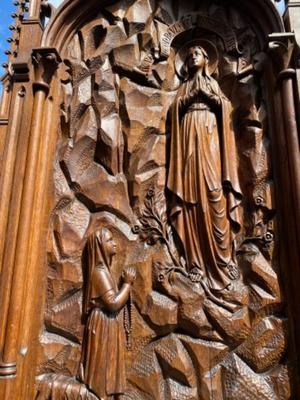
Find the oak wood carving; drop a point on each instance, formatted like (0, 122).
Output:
(164, 276)
(168, 151)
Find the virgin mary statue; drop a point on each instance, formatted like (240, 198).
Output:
(202, 175)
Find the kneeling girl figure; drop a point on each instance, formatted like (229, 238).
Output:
(102, 366)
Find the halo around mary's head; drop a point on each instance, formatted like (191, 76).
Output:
(209, 47)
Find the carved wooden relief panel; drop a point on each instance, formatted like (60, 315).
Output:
(163, 269)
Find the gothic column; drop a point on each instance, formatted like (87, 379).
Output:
(45, 64)
(281, 48)
(292, 24)
(285, 132)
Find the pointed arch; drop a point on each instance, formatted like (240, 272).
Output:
(73, 14)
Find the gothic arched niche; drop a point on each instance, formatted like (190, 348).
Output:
(205, 317)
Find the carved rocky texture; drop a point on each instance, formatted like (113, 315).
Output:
(96, 156)
(193, 321)
(240, 381)
(127, 56)
(69, 228)
(161, 312)
(234, 327)
(58, 355)
(143, 108)
(205, 354)
(266, 345)
(142, 334)
(148, 38)
(90, 180)
(110, 144)
(280, 379)
(182, 361)
(164, 13)
(255, 168)
(254, 150)
(117, 10)
(97, 181)
(141, 256)
(64, 277)
(105, 86)
(261, 278)
(175, 361)
(147, 164)
(116, 34)
(164, 371)
(94, 36)
(88, 125)
(138, 14)
(118, 91)
(53, 386)
(64, 318)
(177, 303)
(209, 360)
(212, 385)
(63, 193)
(95, 115)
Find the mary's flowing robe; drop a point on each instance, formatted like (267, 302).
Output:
(203, 178)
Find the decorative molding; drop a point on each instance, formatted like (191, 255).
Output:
(8, 370)
(20, 71)
(281, 47)
(46, 61)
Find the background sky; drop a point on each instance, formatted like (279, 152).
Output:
(7, 7)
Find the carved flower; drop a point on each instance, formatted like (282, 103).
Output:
(150, 242)
(135, 229)
(269, 237)
(259, 200)
(150, 193)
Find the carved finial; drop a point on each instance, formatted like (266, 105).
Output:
(15, 28)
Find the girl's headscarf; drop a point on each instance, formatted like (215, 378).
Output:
(95, 256)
